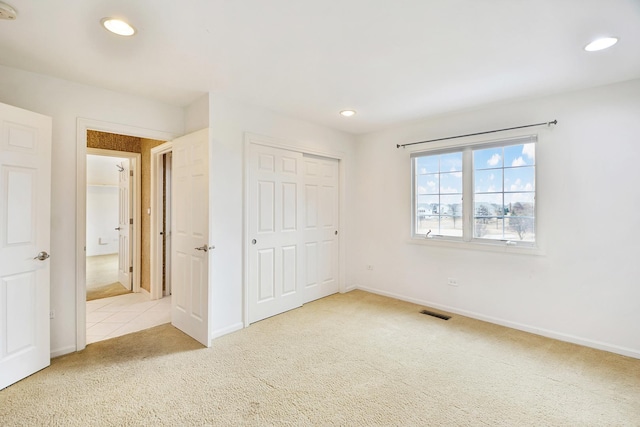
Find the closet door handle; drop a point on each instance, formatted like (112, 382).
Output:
(117, 228)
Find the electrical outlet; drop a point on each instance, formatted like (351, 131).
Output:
(52, 314)
(452, 281)
(369, 267)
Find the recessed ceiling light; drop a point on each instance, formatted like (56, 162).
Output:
(348, 113)
(118, 26)
(602, 43)
(7, 12)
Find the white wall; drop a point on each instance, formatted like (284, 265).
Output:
(584, 288)
(229, 121)
(65, 102)
(102, 218)
(197, 115)
(102, 204)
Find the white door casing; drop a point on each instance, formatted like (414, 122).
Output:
(275, 241)
(190, 249)
(25, 194)
(124, 224)
(321, 227)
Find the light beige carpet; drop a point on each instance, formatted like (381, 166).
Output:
(353, 360)
(106, 291)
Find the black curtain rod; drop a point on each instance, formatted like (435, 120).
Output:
(555, 122)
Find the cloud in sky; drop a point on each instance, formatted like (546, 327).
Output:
(518, 162)
(448, 190)
(494, 160)
(529, 150)
(517, 186)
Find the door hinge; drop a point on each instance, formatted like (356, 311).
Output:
(130, 173)
(131, 221)
(130, 269)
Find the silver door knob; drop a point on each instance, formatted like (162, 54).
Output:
(117, 228)
(254, 241)
(41, 256)
(202, 248)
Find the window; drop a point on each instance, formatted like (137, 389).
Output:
(482, 192)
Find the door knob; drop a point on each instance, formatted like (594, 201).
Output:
(202, 248)
(117, 228)
(41, 256)
(254, 241)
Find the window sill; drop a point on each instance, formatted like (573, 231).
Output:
(478, 246)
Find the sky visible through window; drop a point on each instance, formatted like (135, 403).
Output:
(503, 193)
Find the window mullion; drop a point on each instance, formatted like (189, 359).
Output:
(467, 194)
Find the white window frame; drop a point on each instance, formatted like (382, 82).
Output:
(468, 241)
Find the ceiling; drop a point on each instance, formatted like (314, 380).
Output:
(391, 60)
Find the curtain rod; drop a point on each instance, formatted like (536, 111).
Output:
(555, 122)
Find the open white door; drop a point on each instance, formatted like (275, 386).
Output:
(25, 189)
(275, 240)
(190, 235)
(124, 224)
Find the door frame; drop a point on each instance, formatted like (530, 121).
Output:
(252, 138)
(136, 193)
(82, 126)
(157, 217)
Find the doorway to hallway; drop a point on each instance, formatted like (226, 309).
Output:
(111, 242)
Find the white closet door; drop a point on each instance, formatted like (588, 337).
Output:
(321, 227)
(275, 206)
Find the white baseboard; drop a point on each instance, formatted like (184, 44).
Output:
(514, 325)
(224, 331)
(350, 288)
(62, 351)
(144, 291)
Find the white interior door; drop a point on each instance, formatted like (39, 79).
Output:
(190, 235)
(124, 224)
(275, 206)
(321, 234)
(25, 173)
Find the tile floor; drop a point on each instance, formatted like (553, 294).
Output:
(124, 314)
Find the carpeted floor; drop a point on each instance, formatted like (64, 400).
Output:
(355, 360)
(112, 290)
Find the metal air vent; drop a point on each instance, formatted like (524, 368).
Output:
(434, 314)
